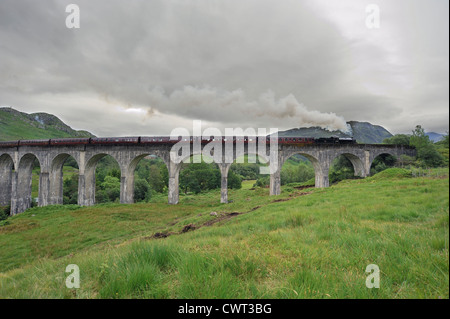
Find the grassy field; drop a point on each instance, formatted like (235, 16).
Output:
(308, 243)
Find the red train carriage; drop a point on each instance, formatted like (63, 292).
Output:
(114, 140)
(157, 140)
(34, 142)
(296, 140)
(9, 144)
(69, 141)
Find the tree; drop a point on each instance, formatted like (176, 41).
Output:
(299, 172)
(429, 156)
(398, 139)
(234, 181)
(341, 169)
(155, 178)
(249, 171)
(70, 190)
(405, 160)
(443, 148)
(382, 162)
(427, 153)
(141, 190)
(110, 188)
(71, 162)
(419, 139)
(198, 177)
(444, 142)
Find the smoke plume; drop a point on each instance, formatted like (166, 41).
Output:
(235, 108)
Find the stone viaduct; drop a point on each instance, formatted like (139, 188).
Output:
(16, 165)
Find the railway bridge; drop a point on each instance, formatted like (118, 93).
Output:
(16, 164)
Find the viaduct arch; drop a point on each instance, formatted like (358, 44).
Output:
(16, 168)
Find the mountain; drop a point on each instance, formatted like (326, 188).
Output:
(363, 132)
(16, 125)
(435, 137)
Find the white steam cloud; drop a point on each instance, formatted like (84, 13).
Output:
(237, 109)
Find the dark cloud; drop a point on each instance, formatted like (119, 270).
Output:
(144, 67)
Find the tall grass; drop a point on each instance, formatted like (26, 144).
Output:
(306, 246)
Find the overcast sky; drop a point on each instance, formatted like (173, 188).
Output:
(140, 67)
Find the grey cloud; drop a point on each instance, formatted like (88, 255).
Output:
(238, 50)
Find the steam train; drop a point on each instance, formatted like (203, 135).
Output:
(151, 140)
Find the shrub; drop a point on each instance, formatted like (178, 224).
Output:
(234, 181)
(262, 182)
(4, 212)
(141, 190)
(393, 173)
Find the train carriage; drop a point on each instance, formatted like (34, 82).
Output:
(34, 142)
(115, 140)
(70, 141)
(9, 144)
(158, 140)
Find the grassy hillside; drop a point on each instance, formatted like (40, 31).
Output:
(309, 243)
(16, 125)
(364, 132)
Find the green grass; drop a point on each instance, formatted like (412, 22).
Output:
(15, 125)
(310, 243)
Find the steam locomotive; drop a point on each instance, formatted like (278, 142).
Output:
(151, 140)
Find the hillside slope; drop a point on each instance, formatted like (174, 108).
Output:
(310, 243)
(15, 125)
(435, 137)
(363, 132)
